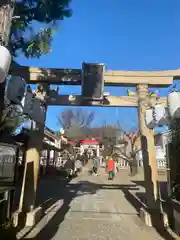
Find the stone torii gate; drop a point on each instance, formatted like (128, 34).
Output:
(142, 80)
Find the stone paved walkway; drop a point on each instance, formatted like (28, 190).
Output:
(92, 208)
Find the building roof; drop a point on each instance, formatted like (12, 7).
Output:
(88, 141)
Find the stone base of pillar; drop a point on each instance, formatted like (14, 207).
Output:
(19, 219)
(33, 217)
(29, 219)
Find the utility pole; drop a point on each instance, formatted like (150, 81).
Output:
(6, 16)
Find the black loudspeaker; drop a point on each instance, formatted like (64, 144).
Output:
(92, 81)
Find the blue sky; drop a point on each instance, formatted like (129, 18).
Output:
(123, 34)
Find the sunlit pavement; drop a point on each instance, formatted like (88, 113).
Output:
(91, 207)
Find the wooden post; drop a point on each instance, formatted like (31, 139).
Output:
(31, 171)
(32, 164)
(148, 150)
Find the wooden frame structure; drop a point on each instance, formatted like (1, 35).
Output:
(139, 79)
(72, 77)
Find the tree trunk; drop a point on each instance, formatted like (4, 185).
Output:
(6, 14)
(133, 167)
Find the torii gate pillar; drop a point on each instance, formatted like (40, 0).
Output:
(148, 150)
(31, 171)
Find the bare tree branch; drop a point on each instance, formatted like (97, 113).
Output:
(75, 121)
(128, 150)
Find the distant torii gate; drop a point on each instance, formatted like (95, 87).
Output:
(139, 79)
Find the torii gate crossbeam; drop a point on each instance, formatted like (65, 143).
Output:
(111, 78)
(110, 101)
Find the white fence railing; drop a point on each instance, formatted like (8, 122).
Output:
(161, 164)
(122, 164)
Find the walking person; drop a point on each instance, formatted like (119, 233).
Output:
(95, 165)
(89, 152)
(78, 166)
(111, 168)
(69, 166)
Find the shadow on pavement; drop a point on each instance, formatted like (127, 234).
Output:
(162, 186)
(60, 191)
(50, 190)
(53, 190)
(138, 202)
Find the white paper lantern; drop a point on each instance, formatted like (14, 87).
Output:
(174, 104)
(5, 61)
(161, 115)
(149, 119)
(16, 89)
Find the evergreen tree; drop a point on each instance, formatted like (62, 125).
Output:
(29, 39)
(33, 25)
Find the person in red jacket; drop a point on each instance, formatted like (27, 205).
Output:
(111, 168)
